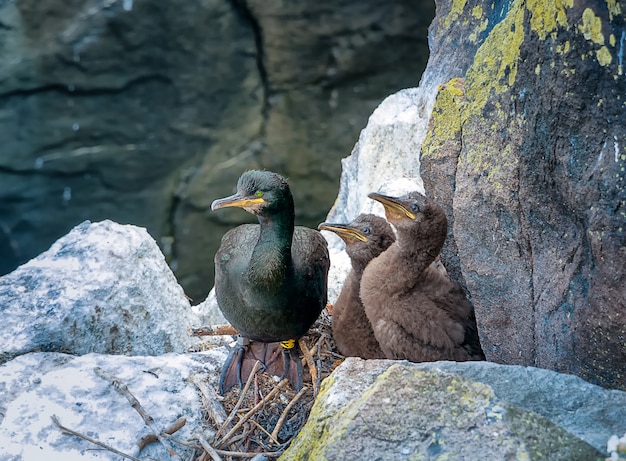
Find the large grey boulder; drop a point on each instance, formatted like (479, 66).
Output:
(527, 152)
(104, 287)
(35, 387)
(380, 409)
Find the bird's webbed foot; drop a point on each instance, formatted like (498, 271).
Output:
(274, 359)
(292, 365)
(233, 368)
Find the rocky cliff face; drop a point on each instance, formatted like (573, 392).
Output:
(144, 112)
(527, 149)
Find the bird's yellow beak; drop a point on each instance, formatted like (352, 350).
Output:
(343, 230)
(392, 205)
(236, 200)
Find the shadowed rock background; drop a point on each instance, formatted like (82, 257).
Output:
(143, 112)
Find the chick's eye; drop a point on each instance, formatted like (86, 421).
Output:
(415, 208)
(259, 193)
(366, 230)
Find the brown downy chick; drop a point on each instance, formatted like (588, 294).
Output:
(416, 312)
(366, 237)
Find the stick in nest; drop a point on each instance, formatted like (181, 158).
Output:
(281, 420)
(242, 394)
(208, 448)
(310, 364)
(210, 401)
(120, 387)
(214, 330)
(171, 429)
(250, 413)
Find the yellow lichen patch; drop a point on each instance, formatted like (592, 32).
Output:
(612, 40)
(563, 49)
(538, 69)
(456, 11)
(614, 8)
(546, 16)
(473, 37)
(445, 119)
(604, 56)
(456, 86)
(496, 61)
(591, 27)
(477, 12)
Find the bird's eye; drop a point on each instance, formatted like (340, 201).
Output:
(366, 230)
(259, 193)
(415, 208)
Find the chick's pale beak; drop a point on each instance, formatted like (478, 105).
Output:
(391, 204)
(343, 230)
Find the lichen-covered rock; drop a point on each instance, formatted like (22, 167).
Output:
(35, 387)
(531, 142)
(587, 411)
(401, 412)
(104, 288)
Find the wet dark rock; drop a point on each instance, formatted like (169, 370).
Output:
(144, 112)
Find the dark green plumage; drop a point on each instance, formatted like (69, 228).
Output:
(271, 277)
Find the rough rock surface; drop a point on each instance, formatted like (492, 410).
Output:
(37, 386)
(395, 410)
(103, 288)
(145, 111)
(528, 152)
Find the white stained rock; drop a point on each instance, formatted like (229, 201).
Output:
(208, 311)
(386, 157)
(34, 387)
(104, 287)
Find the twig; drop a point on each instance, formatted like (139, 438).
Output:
(243, 454)
(250, 413)
(273, 439)
(171, 429)
(242, 394)
(208, 448)
(283, 416)
(210, 401)
(120, 387)
(311, 364)
(213, 330)
(68, 431)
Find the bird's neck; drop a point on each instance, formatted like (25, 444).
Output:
(272, 252)
(358, 267)
(419, 251)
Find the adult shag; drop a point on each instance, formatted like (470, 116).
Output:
(270, 279)
(365, 237)
(416, 312)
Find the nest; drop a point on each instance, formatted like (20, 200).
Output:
(266, 414)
